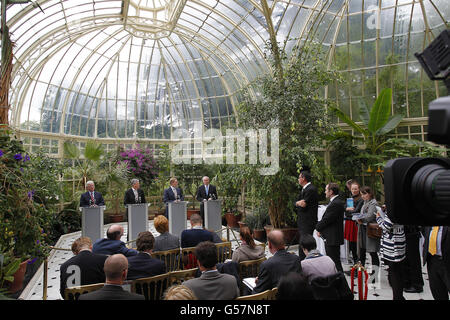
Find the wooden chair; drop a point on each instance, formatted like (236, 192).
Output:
(178, 277)
(188, 258)
(273, 294)
(152, 288)
(249, 268)
(74, 293)
(171, 258)
(265, 295)
(223, 251)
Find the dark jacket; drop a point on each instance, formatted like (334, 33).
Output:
(307, 216)
(90, 268)
(201, 193)
(192, 237)
(111, 292)
(143, 265)
(331, 226)
(271, 270)
(131, 199)
(445, 245)
(110, 247)
(169, 196)
(85, 199)
(357, 205)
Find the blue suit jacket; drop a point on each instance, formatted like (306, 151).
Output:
(192, 237)
(110, 247)
(143, 265)
(86, 198)
(169, 196)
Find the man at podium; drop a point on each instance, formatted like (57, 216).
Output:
(204, 193)
(91, 197)
(171, 194)
(134, 195)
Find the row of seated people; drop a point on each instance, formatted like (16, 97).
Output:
(210, 283)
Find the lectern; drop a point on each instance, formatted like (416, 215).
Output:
(92, 222)
(177, 217)
(137, 219)
(213, 215)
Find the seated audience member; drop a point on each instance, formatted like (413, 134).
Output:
(281, 263)
(211, 285)
(179, 292)
(195, 235)
(116, 269)
(83, 268)
(294, 286)
(165, 241)
(112, 244)
(315, 264)
(143, 265)
(248, 250)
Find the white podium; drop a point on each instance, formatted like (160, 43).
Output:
(92, 222)
(213, 215)
(177, 217)
(137, 219)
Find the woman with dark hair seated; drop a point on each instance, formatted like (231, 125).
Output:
(294, 286)
(248, 250)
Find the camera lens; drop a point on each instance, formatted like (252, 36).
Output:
(430, 189)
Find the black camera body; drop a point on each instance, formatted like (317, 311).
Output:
(417, 190)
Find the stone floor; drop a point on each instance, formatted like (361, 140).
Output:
(34, 290)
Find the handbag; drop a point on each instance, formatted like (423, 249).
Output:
(374, 231)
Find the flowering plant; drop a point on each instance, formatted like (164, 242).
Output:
(23, 218)
(140, 163)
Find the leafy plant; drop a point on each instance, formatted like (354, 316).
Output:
(140, 163)
(8, 267)
(258, 219)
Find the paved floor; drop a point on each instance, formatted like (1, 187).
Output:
(34, 290)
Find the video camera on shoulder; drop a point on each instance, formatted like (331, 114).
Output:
(417, 190)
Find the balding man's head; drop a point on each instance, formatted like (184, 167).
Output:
(114, 232)
(276, 239)
(114, 268)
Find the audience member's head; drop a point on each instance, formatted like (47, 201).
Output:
(145, 241)
(82, 243)
(349, 183)
(196, 220)
(161, 224)
(114, 232)
(179, 292)
(331, 190)
(116, 268)
(247, 237)
(276, 240)
(307, 243)
(206, 254)
(367, 193)
(294, 286)
(355, 189)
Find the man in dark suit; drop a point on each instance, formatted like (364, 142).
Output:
(307, 205)
(134, 195)
(91, 197)
(116, 270)
(331, 226)
(436, 255)
(280, 264)
(112, 244)
(83, 268)
(195, 235)
(204, 193)
(143, 265)
(171, 194)
(211, 285)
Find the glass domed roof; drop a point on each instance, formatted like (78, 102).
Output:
(139, 69)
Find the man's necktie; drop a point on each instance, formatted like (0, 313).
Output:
(92, 197)
(206, 188)
(432, 248)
